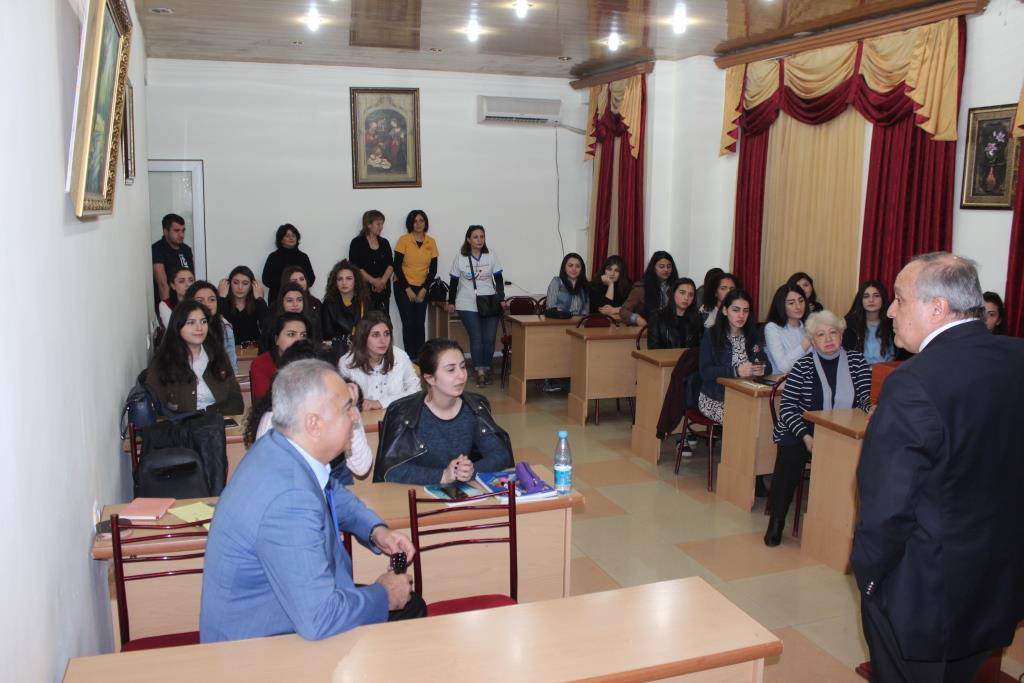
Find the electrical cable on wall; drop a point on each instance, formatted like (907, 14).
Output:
(558, 197)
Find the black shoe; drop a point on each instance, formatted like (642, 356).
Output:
(773, 536)
(760, 490)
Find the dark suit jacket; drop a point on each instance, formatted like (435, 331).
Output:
(941, 484)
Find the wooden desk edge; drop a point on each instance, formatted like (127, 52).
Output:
(620, 332)
(820, 417)
(745, 386)
(697, 664)
(646, 356)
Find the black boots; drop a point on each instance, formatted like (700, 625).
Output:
(773, 536)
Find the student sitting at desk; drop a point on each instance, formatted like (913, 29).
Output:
(297, 275)
(190, 370)
(650, 294)
(288, 329)
(359, 457)
(345, 302)
(827, 378)
(444, 434)
(206, 294)
(609, 291)
(568, 291)
(720, 286)
(382, 371)
(291, 300)
(274, 560)
(730, 349)
(784, 331)
(677, 325)
(245, 308)
(868, 328)
(180, 282)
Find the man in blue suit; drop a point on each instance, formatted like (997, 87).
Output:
(937, 551)
(274, 560)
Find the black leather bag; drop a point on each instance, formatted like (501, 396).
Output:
(201, 433)
(438, 290)
(557, 314)
(487, 305)
(171, 473)
(141, 408)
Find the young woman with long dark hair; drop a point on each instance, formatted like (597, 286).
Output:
(291, 299)
(677, 325)
(205, 293)
(995, 313)
(476, 271)
(245, 308)
(868, 329)
(296, 275)
(784, 336)
(806, 283)
(190, 370)
(180, 282)
(609, 290)
(383, 371)
(345, 303)
(651, 294)
(569, 291)
(288, 329)
(444, 434)
(721, 284)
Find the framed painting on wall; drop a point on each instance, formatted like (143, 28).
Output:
(385, 137)
(128, 133)
(990, 159)
(99, 116)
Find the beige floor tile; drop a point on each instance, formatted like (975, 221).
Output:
(611, 472)
(804, 595)
(743, 555)
(588, 577)
(802, 661)
(650, 563)
(841, 637)
(597, 505)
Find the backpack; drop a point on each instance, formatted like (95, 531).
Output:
(438, 290)
(141, 408)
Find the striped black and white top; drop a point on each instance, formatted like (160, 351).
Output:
(798, 394)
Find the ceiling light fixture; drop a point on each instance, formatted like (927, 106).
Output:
(161, 10)
(679, 20)
(613, 41)
(473, 30)
(437, 49)
(565, 59)
(522, 7)
(313, 19)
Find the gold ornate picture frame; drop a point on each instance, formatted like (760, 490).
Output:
(385, 137)
(990, 159)
(99, 116)
(128, 133)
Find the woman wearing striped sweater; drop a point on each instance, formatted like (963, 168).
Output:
(827, 378)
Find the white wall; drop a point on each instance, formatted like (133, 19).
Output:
(275, 142)
(994, 72)
(74, 338)
(690, 189)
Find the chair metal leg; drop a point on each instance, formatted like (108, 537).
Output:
(711, 456)
(679, 446)
(597, 411)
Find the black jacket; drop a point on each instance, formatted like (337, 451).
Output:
(274, 267)
(399, 442)
(663, 332)
(938, 541)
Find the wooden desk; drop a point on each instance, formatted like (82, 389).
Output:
(171, 604)
(655, 631)
(540, 350)
(827, 533)
(747, 446)
(653, 371)
(601, 366)
(245, 358)
(441, 323)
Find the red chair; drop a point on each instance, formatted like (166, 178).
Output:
(475, 602)
(124, 556)
(598, 320)
(641, 335)
(523, 305)
(695, 417)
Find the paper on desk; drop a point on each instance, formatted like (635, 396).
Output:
(193, 512)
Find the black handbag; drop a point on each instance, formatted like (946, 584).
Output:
(141, 408)
(487, 305)
(438, 290)
(201, 433)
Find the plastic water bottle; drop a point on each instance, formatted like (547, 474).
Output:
(563, 464)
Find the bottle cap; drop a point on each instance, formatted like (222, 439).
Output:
(563, 434)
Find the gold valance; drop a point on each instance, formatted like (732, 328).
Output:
(623, 97)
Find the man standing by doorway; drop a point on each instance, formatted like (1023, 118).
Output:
(170, 254)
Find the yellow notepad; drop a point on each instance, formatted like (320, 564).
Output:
(193, 512)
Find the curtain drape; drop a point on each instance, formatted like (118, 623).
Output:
(615, 139)
(1014, 299)
(812, 206)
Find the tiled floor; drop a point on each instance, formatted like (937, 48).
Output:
(644, 523)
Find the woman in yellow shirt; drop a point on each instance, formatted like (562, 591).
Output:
(415, 268)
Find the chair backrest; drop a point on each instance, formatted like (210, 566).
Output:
(596, 320)
(416, 517)
(522, 305)
(774, 398)
(640, 336)
(123, 556)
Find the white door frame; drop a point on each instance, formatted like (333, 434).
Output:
(195, 167)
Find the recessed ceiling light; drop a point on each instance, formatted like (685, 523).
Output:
(297, 42)
(679, 20)
(614, 41)
(565, 59)
(161, 10)
(522, 7)
(473, 30)
(437, 49)
(313, 19)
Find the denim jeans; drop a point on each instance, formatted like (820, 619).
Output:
(414, 317)
(481, 333)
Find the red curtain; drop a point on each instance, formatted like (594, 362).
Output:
(630, 215)
(909, 205)
(1015, 271)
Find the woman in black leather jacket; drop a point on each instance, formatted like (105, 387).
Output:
(442, 435)
(677, 325)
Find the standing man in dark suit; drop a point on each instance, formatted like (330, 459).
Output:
(938, 551)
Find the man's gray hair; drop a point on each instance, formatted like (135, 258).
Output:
(953, 278)
(296, 386)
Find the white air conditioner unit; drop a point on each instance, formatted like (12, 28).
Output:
(518, 110)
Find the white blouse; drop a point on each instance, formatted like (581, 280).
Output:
(784, 345)
(204, 397)
(377, 386)
(360, 457)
